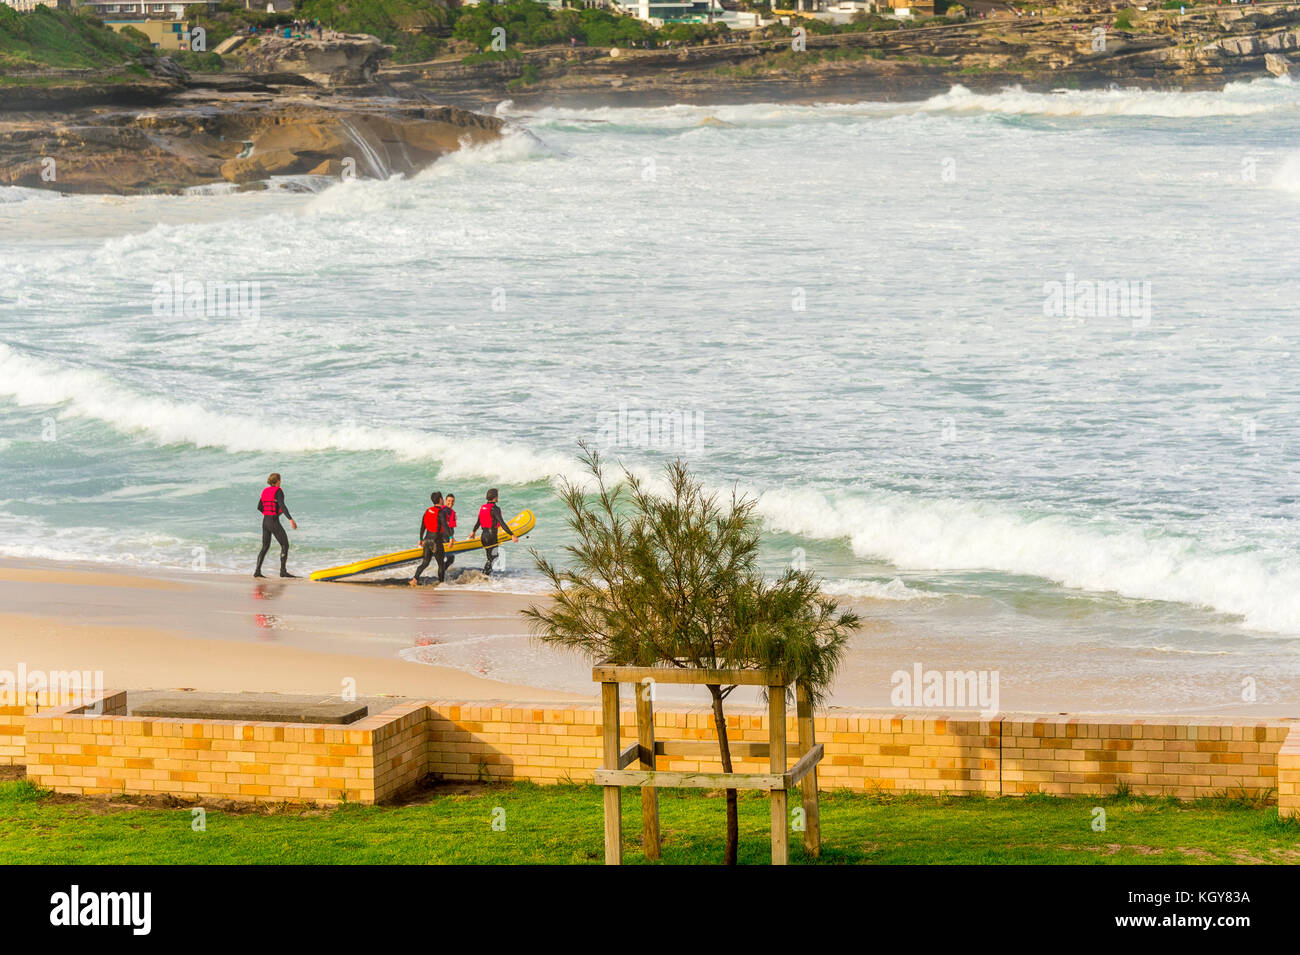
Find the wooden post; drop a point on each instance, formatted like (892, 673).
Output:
(615, 774)
(645, 736)
(613, 794)
(777, 764)
(812, 833)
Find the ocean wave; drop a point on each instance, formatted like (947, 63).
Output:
(90, 394)
(1235, 100)
(918, 534)
(26, 537)
(876, 590)
(24, 194)
(912, 533)
(515, 144)
(1287, 177)
(361, 197)
(211, 189)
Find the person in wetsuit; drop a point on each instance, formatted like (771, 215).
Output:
(450, 509)
(433, 532)
(489, 521)
(271, 505)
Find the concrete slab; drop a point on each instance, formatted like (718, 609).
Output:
(248, 708)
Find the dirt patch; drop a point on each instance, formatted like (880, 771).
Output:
(429, 789)
(1114, 848)
(1156, 851)
(424, 792)
(102, 805)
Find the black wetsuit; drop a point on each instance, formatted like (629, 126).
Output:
(271, 527)
(433, 550)
(490, 535)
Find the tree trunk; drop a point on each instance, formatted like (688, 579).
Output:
(733, 822)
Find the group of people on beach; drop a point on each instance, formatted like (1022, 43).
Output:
(437, 529)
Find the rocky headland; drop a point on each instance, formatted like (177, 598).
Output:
(237, 140)
(1157, 49)
(304, 109)
(333, 106)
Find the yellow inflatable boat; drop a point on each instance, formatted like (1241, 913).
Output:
(521, 524)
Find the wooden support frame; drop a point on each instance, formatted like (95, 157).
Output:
(780, 778)
(613, 795)
(810, 753)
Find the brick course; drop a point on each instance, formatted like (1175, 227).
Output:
(372, 760)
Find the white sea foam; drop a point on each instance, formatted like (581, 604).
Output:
(909, 532)
(516, 144)
(1238, 100)
(25, 194)
(362, 198)
(923, 534)
(211, 189)
(876, 590)
(90, 394)
(1287, 177)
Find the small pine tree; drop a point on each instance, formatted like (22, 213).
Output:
(672, 579)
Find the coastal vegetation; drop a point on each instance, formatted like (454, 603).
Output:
(416, 28)
(671, 579)
(432, 43)
(229, 18)
(531, 24)
(47, 38)
(530, 75)
(561, 825)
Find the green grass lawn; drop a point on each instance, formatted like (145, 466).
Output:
(562, 824)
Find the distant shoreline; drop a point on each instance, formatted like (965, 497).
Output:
(245, 128)
(1161, 50)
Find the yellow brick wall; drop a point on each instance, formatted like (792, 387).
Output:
(374, 759)
(1288, 776)
(940, 753)
(70, 751)
(1184, 757)
(400, 748)
(13, 720)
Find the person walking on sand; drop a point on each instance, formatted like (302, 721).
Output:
(271, 505)
(433, 532)
(489, 520)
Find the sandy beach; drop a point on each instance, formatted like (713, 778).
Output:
(224, 633)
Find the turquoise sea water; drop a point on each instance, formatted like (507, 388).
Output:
(852, 303)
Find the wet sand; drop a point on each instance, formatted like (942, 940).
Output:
(225, 633)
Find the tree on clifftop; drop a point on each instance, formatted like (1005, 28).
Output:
(671, 579)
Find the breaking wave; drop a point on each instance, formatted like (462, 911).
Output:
(1241, 99)
(91, 394)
